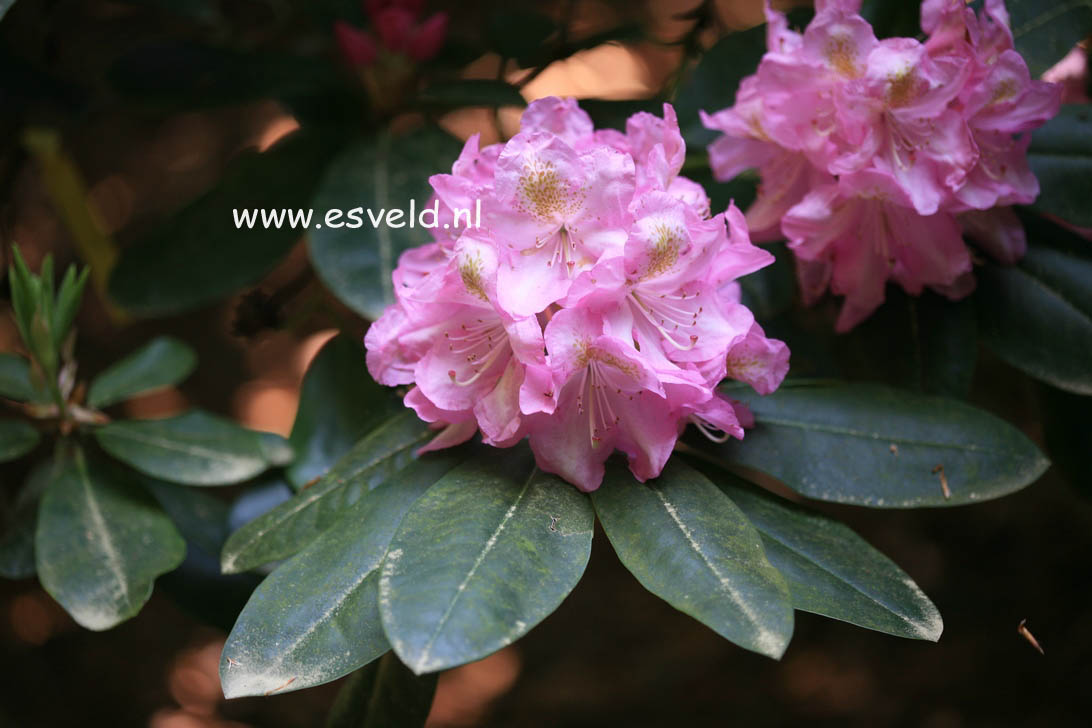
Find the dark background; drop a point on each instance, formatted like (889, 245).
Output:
(612, 654)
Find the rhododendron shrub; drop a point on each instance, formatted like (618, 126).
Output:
(507, 348)
(595, 309)
(877, 156)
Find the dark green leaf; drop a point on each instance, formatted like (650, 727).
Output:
(195, 448)
(69, 296)
(101, 542)
(162, 362)
(770, 291)
(830, 569)
(712, 84)
(471, 92)
(1061, 157)
(614, 114)
(386, 693)
(1037, 315)
(339, 404)
(201, 518)
(199, 255)
(15, 382)
(946, 337)
(892, 19)
(876, 446)
(688, 544)
(517, 32)
(1045, 30)
(481, 558)
(20, 522)
(290, 526)
(5, 6)
(316, 617)
(384, 175)
(17, 438)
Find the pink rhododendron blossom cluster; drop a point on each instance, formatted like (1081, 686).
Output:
(594, 309)
(877, 155)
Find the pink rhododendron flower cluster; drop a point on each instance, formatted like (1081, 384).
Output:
(876, 155)
(594, 309)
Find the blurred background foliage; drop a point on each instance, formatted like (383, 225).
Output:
(129, 129)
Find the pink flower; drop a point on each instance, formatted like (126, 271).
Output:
(596, 311)
(868, 149)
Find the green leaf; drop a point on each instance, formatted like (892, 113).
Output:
(316, 617)
(873, 445)
(5, 6)
(517, 32)
(290, 526)
(339, 404)
(614, 114)
(69, 296)
(1045, 30)
(831, 570)
(946, 340)
(1061, 157)
(481, 558)
(712, 84)
(20, 522)
(199, 255)
(892, 19)
(770, 290)
(15, 381)
(384, 174)
(162, 362)
(101, 542)
(200, 517)
(17, 438)
(195, 448)
(386, 693)
(1037, 315)
(688, 544)
(471, 92)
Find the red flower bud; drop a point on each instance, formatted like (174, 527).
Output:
(356, 46)
(394, 26)
(428, 38)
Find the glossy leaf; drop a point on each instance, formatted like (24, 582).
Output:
(17, 438)
(712, 84)
(1061, 157)
(20, 522)
(385, 693)
(199, 255)
(195, 448)
(5, 6)
(316, 617)
(1037, 315)
(480, 559)
(515, 32)
(384, 175)
(831, 570)
(15, 381)
(873, 445)
(290, 526)
(162, 362)
(688, 544)
(200, 517)
(471, 92)
(101, 542)
(1045, 30)
(339, 404)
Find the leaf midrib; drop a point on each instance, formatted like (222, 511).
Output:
(110, 549)
(175, 446)
(876, 436)
(490, 544)
(776, 538)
